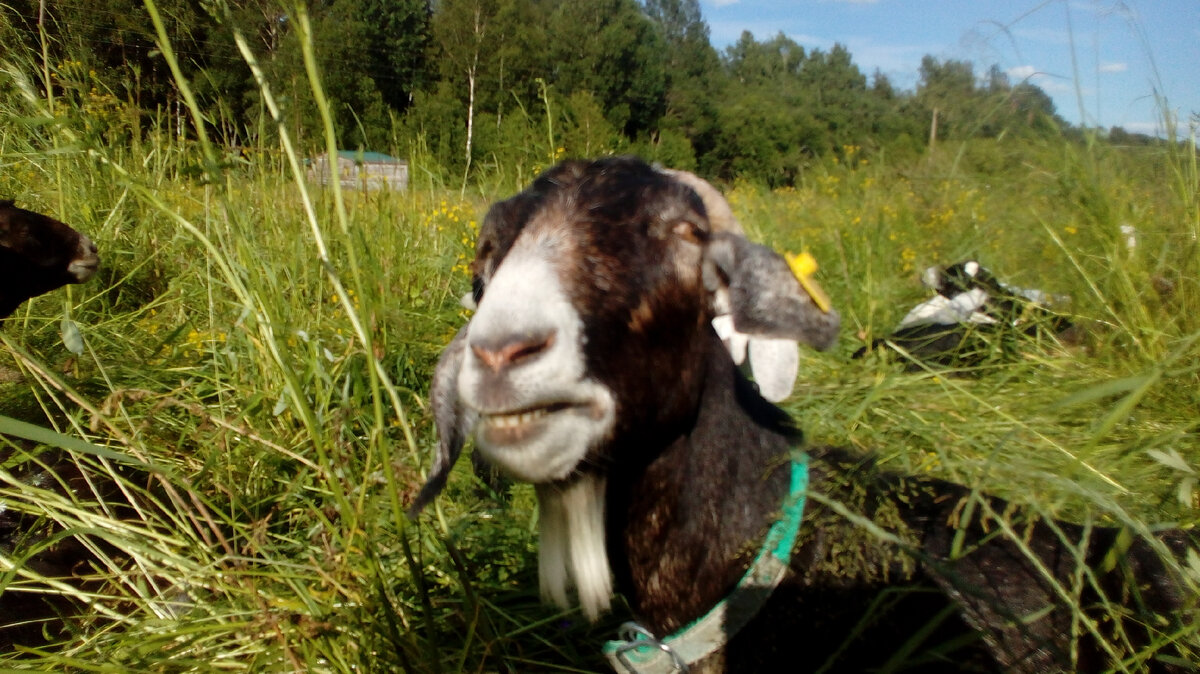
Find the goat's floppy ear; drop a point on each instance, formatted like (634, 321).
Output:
(452, 420)
(756, 287)
(763, 295)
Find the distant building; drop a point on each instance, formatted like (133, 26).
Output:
(362, 170)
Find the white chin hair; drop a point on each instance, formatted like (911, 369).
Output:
(571, 550)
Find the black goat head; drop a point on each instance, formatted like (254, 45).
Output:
(596, 289)
(39, 254)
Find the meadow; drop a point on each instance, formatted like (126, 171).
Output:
(245, 382)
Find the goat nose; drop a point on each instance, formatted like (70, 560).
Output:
(501, 353)
(86, 249)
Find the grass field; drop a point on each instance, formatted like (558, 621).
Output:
(249, 399)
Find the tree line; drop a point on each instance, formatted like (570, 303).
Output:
(471, 84)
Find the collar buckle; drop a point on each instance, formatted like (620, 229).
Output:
(651, 655)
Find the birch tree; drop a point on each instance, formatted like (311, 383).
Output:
(463, 32)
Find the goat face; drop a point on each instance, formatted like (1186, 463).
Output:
(595, 290)
(551, 366)
(39, 254)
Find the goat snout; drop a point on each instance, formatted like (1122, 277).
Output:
(86, 261)
(512, 350)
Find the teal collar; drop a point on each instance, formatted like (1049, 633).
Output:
(639, 652)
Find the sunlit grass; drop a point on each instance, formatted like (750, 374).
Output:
(250, 405)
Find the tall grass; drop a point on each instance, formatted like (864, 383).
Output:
(248, 419)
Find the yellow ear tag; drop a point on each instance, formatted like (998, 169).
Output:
(803, 267)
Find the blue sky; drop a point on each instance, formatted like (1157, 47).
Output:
(1107, 55)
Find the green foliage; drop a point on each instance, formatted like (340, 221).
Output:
(764, 144)
(610, 48)
(113, 42)
(397, 44)
(475, 76)
(251, 400)
(586, 131)
(966, 107)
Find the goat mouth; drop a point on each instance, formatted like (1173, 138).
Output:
(83, 271)
(543, 438)
(516, 427)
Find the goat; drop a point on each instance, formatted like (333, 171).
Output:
(591, 370)
(773, 362)
(38, 544)
(39, 254)
(972, 316)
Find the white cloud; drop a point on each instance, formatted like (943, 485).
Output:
(1021, 73)
(724, 33)
(1114, 67)
(1042, 35)
(722, 3)
(1090, 7)
(1106, 9)
(1148, 128)
(1047, 82)
(1056, 85)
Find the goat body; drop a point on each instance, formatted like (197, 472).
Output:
(971, 318)
(39, 254)
(591, 369)
(30, 616)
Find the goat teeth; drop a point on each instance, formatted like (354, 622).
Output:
(515, 420)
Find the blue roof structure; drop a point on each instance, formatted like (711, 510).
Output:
(376, 157)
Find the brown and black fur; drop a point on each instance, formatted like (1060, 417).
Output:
(29, 615)
(889, 570)
(39, 254)
(696, 513)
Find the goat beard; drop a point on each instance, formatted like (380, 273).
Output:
(572, 550)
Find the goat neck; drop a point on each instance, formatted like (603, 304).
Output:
(683, 528)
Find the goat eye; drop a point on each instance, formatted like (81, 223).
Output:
(477, 288)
